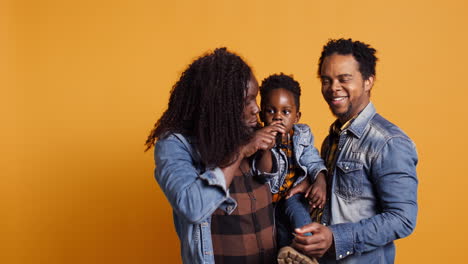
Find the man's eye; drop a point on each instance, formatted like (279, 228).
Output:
(325, 81)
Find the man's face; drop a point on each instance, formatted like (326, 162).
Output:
(343, 87)
(251, 109)
(280, 106)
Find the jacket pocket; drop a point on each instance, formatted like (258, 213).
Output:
(349, 178)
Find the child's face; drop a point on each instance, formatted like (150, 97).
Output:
(280, 106)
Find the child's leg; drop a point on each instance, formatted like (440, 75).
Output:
(283, 228)
(296, 210)
(295, 213)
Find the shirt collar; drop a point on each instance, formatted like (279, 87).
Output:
(357, 124)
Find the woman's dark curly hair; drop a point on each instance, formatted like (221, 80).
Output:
(363, 53)
(207, 104)
(277, 81)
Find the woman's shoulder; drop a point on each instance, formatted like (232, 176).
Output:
(171, 140)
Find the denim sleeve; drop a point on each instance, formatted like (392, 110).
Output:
(192, 195)
(274, 168)
(311, 158)
(393, 172)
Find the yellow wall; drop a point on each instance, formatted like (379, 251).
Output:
(83, 81)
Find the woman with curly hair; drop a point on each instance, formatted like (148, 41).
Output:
(204, 143)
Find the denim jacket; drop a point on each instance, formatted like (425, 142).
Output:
(194, 194)
(373, 197)
(306, 157)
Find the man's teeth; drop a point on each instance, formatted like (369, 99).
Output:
(338, 98)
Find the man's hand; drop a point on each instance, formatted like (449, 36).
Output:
(315, 245)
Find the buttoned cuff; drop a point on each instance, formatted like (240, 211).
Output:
(215, 177)
(266, 175)
(343, 239)
(229, 205)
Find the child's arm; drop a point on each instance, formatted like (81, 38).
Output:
(316, 169)
(317, 192)
(303, 187)
(265, 161)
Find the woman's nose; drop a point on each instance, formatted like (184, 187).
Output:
(255, 108)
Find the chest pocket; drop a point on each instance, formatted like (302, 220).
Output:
(349, 180)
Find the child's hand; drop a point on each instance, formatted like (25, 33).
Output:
(302, 187)
(317, 193)
(276, 128)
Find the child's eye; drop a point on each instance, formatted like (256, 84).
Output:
(286, 112)
(270, 111)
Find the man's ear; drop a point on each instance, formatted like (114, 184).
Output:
(298, 117)
(369, 83)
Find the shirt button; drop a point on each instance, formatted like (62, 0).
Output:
(339, 148)
(229, 208)
(347, 168)
(347, 253)
(341, 256)
(346, 132)
(324, 224)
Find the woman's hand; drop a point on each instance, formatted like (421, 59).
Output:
(263, 139)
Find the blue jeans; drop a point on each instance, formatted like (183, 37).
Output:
(290, 214)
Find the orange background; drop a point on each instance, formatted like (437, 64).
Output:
(82, 83)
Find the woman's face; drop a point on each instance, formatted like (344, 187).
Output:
(251, 108)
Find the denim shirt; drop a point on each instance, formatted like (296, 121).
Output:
(194, 194)
(373, 197)
(306, 157)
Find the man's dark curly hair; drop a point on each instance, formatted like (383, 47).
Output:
(363, 53)
(277, 81)
(207, 104)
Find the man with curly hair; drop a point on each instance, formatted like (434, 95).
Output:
(372, 197)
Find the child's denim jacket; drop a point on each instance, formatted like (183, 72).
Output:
(305, 155)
